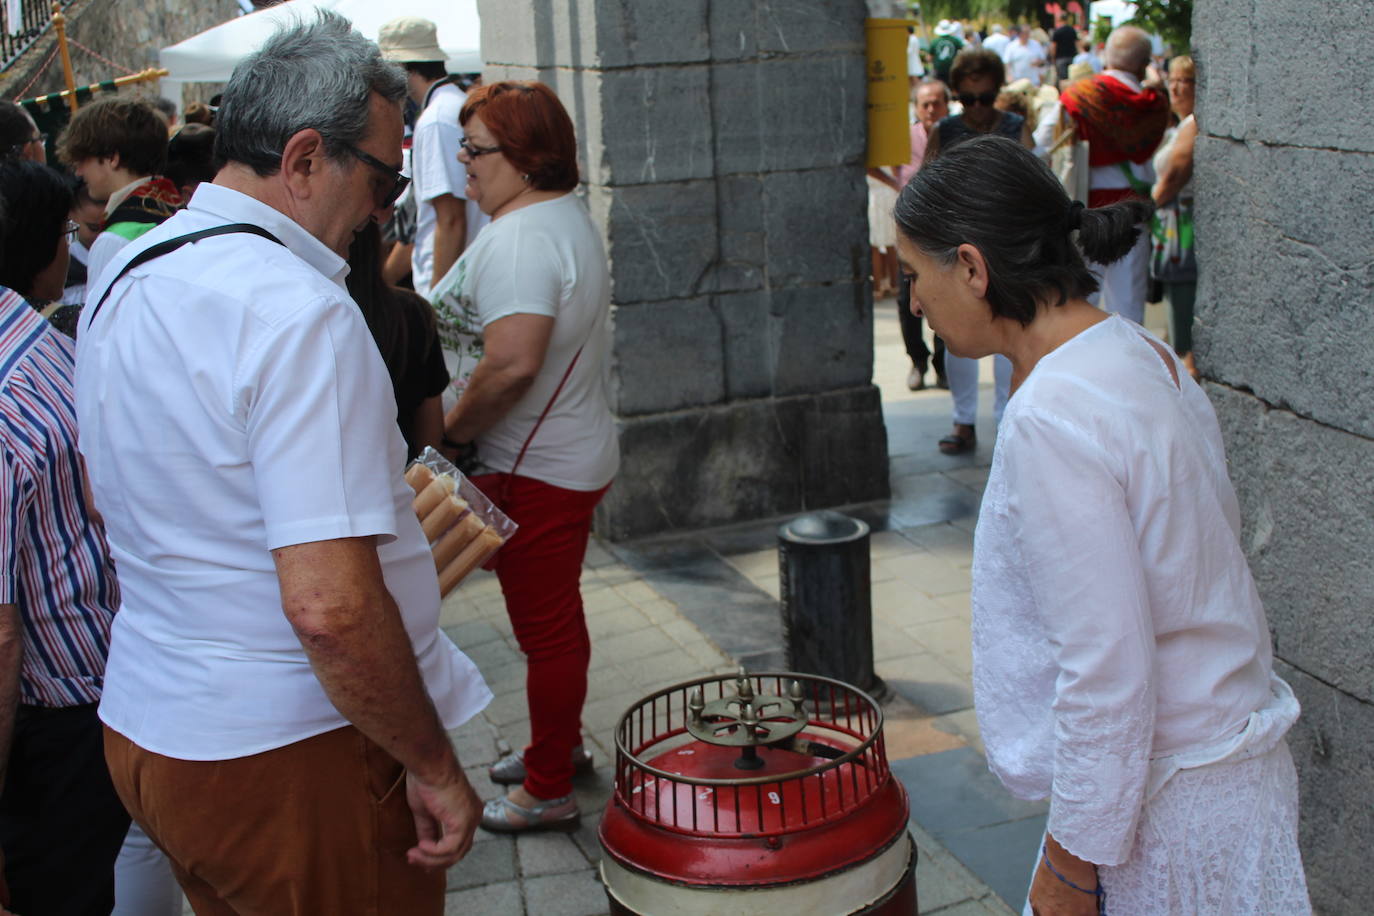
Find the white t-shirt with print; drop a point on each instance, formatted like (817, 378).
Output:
(542, 259)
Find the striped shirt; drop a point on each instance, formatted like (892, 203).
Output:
(54, 564)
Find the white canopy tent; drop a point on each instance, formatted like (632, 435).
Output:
(1118, 11)
(210, 56)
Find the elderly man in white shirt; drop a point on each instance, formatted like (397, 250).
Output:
(1024, 57)
(1122, 114)
(278, 692)
(997, 41)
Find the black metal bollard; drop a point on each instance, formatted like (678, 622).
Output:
(827, 604)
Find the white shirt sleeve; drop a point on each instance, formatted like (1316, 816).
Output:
(522, 275)
(434, 160)
(320, 418)
(1044, 129)
(1067, 505)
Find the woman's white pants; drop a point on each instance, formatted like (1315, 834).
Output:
(963, 386)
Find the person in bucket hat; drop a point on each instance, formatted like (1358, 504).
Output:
(446, 222)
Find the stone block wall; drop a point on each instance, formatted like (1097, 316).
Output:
(722, 147)
(1285, 176)
(128, 32)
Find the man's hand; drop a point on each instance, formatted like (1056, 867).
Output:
(1049, 896)
(446, 817)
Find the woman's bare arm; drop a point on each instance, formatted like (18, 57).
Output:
(1179, 169)
(514, 349)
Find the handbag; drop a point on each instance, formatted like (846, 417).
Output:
(1172, 259)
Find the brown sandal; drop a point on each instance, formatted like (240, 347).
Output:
(957, 443)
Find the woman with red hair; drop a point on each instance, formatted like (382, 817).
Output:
(525, 311)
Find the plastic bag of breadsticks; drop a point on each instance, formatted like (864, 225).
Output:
(463, 527)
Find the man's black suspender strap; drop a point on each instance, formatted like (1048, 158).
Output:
(167, 247)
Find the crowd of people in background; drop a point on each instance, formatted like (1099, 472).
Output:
(1050, 92)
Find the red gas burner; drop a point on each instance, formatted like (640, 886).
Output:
(763, 793)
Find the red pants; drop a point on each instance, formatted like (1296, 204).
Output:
(540, 569)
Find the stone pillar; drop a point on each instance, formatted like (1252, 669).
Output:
(1285, 177)
(722, 146)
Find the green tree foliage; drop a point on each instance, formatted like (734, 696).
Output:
(977, 12)
(1171, 20)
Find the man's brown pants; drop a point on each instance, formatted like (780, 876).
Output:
(317, 827)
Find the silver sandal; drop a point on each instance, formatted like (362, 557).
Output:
(510, 769)
(554, 814)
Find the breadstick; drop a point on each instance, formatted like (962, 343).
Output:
(473, 555)
(419, 476)
(452, 542)
(433, 494)
(443, 517)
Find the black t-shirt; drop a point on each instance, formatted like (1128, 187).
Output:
(1065, 40)
(425, 375)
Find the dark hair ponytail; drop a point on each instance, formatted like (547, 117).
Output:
(1106, 234)
(994, 194)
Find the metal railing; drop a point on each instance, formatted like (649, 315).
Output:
(17, 35)
(650, 733)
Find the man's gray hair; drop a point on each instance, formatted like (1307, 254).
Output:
(1128, 48)
(317, 75)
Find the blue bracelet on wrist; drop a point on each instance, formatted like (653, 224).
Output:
(1045, 854)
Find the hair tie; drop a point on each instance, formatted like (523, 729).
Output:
(1074, 218)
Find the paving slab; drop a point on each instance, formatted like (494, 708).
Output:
(953, 791)
(577, 894)
(499, 898)
(549, 854)
(485, 864)
(1002, 855)
(966, 810)
(929, 682)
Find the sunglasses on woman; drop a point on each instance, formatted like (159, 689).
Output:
(967, 98)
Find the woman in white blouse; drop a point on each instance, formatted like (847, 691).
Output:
(1122, 663)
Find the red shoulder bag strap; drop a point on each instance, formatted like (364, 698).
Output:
(505, 484)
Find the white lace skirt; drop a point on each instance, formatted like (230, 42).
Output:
(1218, 840)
